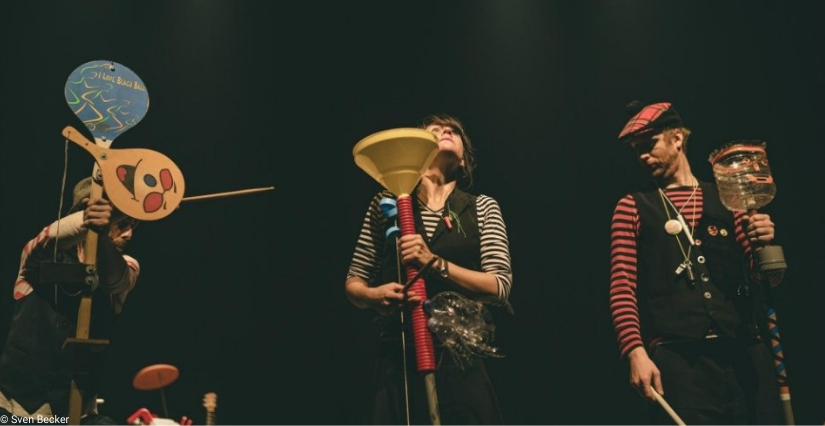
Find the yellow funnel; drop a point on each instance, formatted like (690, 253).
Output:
(396, 158)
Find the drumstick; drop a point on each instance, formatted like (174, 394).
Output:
(418, 274)
(227, 194)
(667, 408)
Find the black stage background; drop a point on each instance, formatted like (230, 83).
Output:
(247, 293)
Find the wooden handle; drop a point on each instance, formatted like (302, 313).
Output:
(75, 136)
(84, 310)
(667, 408)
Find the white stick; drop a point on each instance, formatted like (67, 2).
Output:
(687, 230)
(667, 408)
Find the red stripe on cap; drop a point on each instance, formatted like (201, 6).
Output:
(644, 117)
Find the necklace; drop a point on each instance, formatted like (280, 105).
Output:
(425, 206)
(676, 226)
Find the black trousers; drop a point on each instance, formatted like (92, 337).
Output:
(718, 381)
(465, 396)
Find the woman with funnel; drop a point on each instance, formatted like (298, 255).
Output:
(461, 242)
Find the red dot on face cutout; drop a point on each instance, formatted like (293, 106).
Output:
(152, 202)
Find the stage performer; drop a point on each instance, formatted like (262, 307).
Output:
(684, 292)
(467, 236)
(35, 373)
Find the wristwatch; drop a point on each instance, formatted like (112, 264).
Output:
(443, 268)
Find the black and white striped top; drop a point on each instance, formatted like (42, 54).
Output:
(495, 248)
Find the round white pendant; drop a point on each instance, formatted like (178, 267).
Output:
(673, 227)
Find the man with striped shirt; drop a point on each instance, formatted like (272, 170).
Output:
(684, 292)
(35, 373)
(468, 235)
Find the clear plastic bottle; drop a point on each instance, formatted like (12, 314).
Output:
(743, 175)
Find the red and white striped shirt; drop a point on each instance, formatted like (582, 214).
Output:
(624, 231)
(67, 233)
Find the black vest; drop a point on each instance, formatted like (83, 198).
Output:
(460, 248)
(670, 305)
(33, 368)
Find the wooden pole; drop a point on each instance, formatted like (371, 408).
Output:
(227, 194)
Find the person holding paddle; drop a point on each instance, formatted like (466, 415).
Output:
(35, 373)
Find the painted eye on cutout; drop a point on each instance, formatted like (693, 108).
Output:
(166, 180)
(150, 181)
(121, 173)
